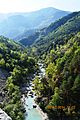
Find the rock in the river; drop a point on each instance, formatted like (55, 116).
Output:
(34, 106)
(32, 96)
(4, 116)
(31, 92)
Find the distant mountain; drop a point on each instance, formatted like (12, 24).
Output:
(13, 25)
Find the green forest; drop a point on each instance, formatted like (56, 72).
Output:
(14, 60)
(61, 85)
(58, 91)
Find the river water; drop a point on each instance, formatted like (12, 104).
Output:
(34, 113)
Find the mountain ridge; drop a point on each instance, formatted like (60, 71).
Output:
(42, 33)
(15, 24)
(58, 32)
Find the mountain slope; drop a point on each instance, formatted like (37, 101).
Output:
(59, 89)
(60, 32)
(15, 68)
(25, 38)
(15, 24)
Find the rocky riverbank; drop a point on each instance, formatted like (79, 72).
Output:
(44, 115)
(31, 106)
(33, 111)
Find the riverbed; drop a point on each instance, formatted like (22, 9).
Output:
(33, 111)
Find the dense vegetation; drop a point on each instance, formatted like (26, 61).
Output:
(39, 35)
(61, 86)
(58, 91)
(57, 33)
(14, 59)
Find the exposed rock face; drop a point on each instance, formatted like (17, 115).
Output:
(4, 116)
(3, 77)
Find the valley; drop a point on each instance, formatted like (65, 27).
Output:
(40, 67)
(29, 101)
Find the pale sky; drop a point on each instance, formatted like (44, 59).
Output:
(9, 6)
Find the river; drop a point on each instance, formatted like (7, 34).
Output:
(34, 113)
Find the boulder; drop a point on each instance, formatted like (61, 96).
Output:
(34, 106)
(4, 116)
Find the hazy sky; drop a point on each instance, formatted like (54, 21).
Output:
(32, 5)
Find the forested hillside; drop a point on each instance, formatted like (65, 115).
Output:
(15, 68)
(58, 91)
(57, 47)
(15, 24)
(62, 27)
(60, 32)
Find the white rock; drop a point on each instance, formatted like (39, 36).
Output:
(4, 116)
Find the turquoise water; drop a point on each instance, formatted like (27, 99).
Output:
(32, 113)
